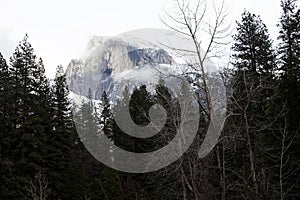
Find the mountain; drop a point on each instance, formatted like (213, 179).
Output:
(115, 59)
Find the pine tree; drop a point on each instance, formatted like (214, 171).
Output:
(87, 126)
(4, 88)
(289, 51)
(164, 98)
(4, 96)
(106, 118)
(253, 50)
(109, 182)
(289, 35)
(5, 126)
(139, 104)
(253, 86)
(61, 103)
(61, 138)
(118, 137)
(89, 120)
(29, 115)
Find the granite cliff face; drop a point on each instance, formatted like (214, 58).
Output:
(105, 58)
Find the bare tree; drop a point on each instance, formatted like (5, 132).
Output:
(283, 160)
(204, 23)
(39, 187)
(284, 164)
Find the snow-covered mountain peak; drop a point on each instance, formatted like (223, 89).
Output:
(106, 57)
(137, 56)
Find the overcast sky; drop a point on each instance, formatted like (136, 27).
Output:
(59, 29)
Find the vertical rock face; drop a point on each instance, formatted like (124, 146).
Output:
(75, 75)
(106, 57)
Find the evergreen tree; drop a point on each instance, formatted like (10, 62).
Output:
(5, 125)
(164, 98)
(89, 119)
(139, 104)
(62, 119)
(4, 95)
(289, 51)
(108, 184)
(289, 36)
(4, 91)
(106, 118)
(253, 50)
(88, 128)
(62, 136)
(253, 86)
(28, 112)
(119, 138)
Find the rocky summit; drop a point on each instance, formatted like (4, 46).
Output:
(108, 59)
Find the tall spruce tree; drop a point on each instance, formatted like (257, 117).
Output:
(119, 138)
(109, 182)
(89, 119)
(289, 48)
(253, 50)
(4, 96)
(4, 91)
(254, 63)
(29, 120)
(289, 52)
(61, 138)
(5, 125)
(88, 127)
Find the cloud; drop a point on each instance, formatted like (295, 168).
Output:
(7, 43)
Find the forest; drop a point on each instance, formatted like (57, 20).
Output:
(257, 156)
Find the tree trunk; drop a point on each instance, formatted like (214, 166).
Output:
(251, 159)
(222, 173)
